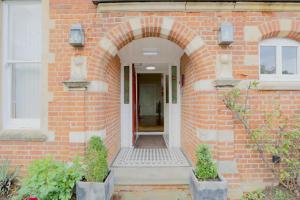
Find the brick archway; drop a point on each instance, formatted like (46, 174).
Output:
(152, 26)
(105, 63)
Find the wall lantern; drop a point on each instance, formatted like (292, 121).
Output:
(226, 33)
(76, 37)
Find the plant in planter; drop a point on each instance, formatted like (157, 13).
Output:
(99, 182)
(205, 182)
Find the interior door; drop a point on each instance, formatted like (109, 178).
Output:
(148, 100)
(134, 103)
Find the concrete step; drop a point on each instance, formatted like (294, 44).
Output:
(152, 192)
(151, 175)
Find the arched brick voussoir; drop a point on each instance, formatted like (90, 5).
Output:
(151, 26)
(284, 28)
(121, 35)
(182, 35)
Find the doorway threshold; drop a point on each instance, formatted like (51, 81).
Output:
(155, 157)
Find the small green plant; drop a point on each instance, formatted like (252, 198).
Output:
(96, 160)
(280, 195)
(50, 179)
(206, 169)
(255, 195)
(7, 178)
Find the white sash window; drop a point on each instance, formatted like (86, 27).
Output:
(22, 33)
(279, 60)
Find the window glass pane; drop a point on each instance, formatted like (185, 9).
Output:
(167, 88)
(174, 84)
(24, 31)
(126, 85)
(25, 91)
(267, 60)
(289, 60)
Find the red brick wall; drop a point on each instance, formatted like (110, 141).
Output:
(91, 111)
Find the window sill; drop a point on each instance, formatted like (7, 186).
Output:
(23, 135)
(278, 85)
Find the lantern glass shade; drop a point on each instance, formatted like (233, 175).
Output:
(76, 37)
(226, 33)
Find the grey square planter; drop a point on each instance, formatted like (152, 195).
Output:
(208, 190)
(95, 190)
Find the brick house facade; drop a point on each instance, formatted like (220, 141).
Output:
(70, 116)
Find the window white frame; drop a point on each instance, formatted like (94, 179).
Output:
(278, 43)
(8, 121)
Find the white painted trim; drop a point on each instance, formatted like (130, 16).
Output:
(174, 111)
(278, 43)
(7, 121)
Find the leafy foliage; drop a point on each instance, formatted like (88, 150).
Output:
(96, 160)
(270, 193)
(50, 179)
(206, 169)
(7, 177)
(256, 195)
(279, 136)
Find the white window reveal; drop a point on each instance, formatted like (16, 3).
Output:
(22, 64)
(279, 60)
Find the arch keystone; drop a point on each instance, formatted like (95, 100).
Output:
(166, 27)
(194, 45)
(136, 27)
(108, 46)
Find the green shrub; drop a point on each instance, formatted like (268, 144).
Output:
(280, 195)
(206, 169)
(96, 160)
(255, 195)
(50, 179)
(7, 178)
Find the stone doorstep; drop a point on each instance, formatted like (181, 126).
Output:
(151, 175)
(151, 192)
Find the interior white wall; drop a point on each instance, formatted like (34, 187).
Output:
(169, 55)
(169, 52)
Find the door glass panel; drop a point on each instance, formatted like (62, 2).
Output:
(267, 60)
(289, 60)
(167, 88)
(174, 84)
(126, 85)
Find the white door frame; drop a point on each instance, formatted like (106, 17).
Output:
(174, 111)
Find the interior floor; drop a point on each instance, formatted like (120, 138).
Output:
(151, 124)
(150, 142)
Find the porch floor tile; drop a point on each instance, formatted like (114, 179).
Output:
(156, 157)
